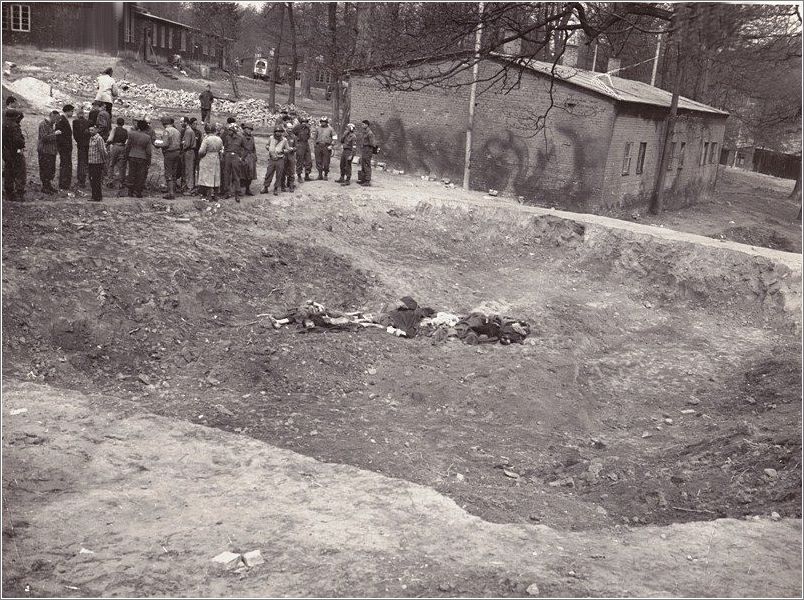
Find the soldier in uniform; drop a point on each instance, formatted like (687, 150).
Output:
(304, 161)
(249, 172)
(234, 150)
(290, 159)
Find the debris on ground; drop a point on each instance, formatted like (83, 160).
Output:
(229, 560)
(39, 94)
(150, 99)
(410, 320)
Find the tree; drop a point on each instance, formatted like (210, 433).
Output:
(294, 66)
(277, 50)
(222, 19)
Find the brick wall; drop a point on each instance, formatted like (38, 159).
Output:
(686, 181)
(421, 132)
(572, 160)
(559, 161)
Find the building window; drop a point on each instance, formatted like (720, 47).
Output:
(170, 38)
(183, 40)
(704, 152)
(128, 29)
(671, 156)
(640, 166)
(681, 149)
(713, 153)
(627, 159)
(212, 49)
(323, 76)
(163, 35)
(16, 17)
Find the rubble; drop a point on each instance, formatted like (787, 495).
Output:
(151, 100)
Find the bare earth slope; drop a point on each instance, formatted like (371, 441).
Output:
(155, 499)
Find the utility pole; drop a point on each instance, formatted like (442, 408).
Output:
(472, 96)
(594, 58)
(656, 60)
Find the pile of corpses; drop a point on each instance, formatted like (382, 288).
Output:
(411, 320)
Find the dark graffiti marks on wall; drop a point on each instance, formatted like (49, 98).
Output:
(421, 149)
(561, 172)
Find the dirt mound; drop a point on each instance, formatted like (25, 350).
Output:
(37, 93)
(758, 236)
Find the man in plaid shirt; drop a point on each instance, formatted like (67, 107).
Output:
(97, 160)
(47, 150)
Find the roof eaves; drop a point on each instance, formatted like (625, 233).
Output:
(149, 15)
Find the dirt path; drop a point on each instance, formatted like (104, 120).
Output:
(154, 500)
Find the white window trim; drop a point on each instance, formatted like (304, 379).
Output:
(18, 8)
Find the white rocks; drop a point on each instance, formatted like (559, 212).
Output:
(253, 558)
(229, 560)
(771, 473)
(533, 590)
(775, 516)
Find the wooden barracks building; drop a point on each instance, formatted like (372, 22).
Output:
(599, 151)
(116, 28)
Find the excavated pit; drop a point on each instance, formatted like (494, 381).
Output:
(660, 383)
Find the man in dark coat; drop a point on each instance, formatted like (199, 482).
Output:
(64, 143)
(206, 99)
(14, 170)
(367, 150)
(304, 158)
(348, 142)
(234, 150)
(81, 135)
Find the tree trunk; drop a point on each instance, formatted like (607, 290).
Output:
(231, 70)
(307, 75)
(670, 125)
(294, 65)
(275, 71)
(332, 25)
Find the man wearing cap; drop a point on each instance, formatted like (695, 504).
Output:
(249, 168)
(233, 152)
(280, 119)
(323, 136)
(107, 90)
(199, 136)
(348, 143)
(81, 137)
(367, 150)
(277, 148)
(206, 99)
(304, 161)
(170, 142)
(14, 170)
(47, 149)
(188, 155)
(65, 145)
(97, 157)
(289, 178)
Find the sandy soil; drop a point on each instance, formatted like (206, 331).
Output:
(126, 504)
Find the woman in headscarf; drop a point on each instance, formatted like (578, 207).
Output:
(209, 164)
(249, 167)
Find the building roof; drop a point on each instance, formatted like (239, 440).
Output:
(143, 12)
(616, 88)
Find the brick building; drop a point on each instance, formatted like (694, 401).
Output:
(599, 151)
(115, 28)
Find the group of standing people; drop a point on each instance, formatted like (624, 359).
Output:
(198, 157)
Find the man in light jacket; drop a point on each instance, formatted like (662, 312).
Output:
(107, 89)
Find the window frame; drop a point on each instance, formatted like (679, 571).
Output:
(680, 159)
(626, 170)
(641, 152)
(170, 38)
(704, 151)
(9, 16)
(672, 156)
(713, 159)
